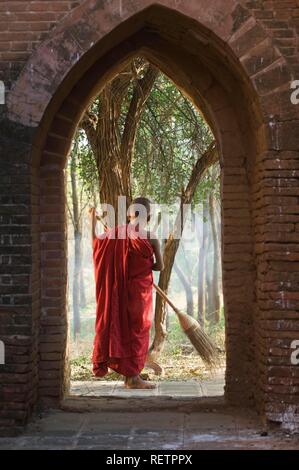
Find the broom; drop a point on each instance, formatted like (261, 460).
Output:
(200, 340)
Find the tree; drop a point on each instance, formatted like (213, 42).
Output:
(171, 246)
(111, 125)
(214, 287)
(75, 208)
(146, 138)
(202, 236)
(186, 283)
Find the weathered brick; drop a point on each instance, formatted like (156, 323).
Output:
(260, 222)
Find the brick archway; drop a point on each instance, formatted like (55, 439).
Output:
(213, 54)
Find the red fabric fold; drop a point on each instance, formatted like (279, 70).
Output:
(123, 275)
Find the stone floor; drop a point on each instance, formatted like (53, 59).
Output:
(191, 388)
(176, 416)
(152, 430)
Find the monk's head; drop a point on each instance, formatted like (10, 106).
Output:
(140, 210)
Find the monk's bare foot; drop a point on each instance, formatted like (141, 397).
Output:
(138, 383)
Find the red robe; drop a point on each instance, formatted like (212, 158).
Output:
(124, 279)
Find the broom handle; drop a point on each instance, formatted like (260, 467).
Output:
(164, 296)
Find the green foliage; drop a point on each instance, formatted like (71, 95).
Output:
(86, 166)
(216, 330)
(171, 136)
(81, 367)
(180, 360)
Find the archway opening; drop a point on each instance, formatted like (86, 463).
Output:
(170, 155)
(200, 65)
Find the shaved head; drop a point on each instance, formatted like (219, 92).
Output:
(144, 202)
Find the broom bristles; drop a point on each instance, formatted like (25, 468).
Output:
(199, 339)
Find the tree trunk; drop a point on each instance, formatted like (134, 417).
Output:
(200, 274)
(113, 149)
(202, 292)
(218, 228)
(215, 298)
(207, 237)
(203, 163)
(187, 287)
(77, 249)
(82, 287)
(170, 250)
(76, 286)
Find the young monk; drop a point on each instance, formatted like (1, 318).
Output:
(124, 258)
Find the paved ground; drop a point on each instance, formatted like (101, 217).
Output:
(104, 415)
(157, 430)
(207, 388)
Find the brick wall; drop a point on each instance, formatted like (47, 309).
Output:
(281, 18)
(23, 25)
(259, 140)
